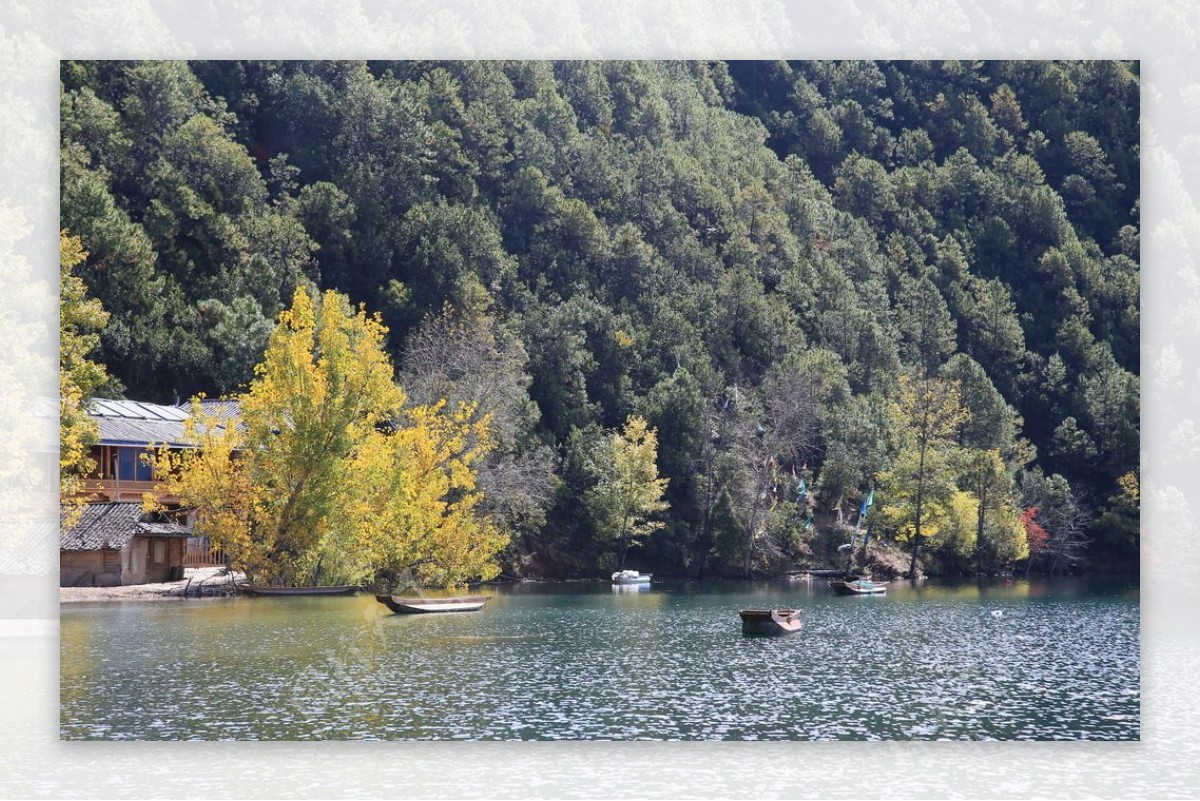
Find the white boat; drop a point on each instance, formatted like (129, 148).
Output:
(630, 577)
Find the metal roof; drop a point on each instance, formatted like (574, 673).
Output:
(135, 423)
(123, 422)
(135, 410)
(220, 409)
(122, 431)
(225, 412)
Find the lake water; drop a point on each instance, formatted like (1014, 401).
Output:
(583, 661)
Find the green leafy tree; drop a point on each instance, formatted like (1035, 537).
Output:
(925, 323)
(1118, 525)
(630, 220)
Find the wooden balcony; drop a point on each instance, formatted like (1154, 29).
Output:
(104, 485)
(98, 490)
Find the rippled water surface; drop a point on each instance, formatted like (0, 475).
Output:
(582, 661)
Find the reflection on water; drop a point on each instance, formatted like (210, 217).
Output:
(579, 661)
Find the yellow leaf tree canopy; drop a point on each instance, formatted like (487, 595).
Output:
(326, 478)
(919, 487)
(940, 493)
(80, 319)
(629, 492)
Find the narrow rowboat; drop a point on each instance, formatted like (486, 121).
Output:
(770, 622)
(858, 587)
(422, 606)
(262, 589)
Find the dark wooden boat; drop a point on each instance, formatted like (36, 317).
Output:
(770, 622)
(858, 587)
(423, 606)
(262, 589)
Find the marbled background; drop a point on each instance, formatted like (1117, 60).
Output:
(1163, 34)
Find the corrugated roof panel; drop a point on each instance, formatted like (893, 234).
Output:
(156, 412)
(102, 406)
(123, 431)
(136, 410)
(222, 409)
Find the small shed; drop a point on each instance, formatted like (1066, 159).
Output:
(117, 543)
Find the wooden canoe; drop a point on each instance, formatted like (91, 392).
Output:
(771, 622)
(858, 587)
(262, 589)
(422, 606)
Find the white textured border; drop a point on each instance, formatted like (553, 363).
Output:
(1164, 34)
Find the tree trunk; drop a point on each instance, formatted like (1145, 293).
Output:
(979, 534)
(623, 541)
(912, 566)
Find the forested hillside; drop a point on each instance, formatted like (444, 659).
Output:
(905, 287)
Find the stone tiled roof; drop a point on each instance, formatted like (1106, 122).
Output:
(163, 530)
(102, 526)
(112, 525)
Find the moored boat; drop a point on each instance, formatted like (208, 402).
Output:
(263, 589)
(421, 606)
(628, 589)
(630, 577)
(770, 622)
(858, 587)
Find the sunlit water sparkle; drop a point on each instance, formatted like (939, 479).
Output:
(580, 662)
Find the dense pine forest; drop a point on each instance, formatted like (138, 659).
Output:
(897, 299)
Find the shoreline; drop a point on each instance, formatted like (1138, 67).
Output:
(202, 582)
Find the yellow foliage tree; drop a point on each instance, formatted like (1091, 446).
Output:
(921, 482)
(326, 478)
(79, 321)
(421, 480)
(957, 530)
(629, 491)
(1005, 534)
(998, 532)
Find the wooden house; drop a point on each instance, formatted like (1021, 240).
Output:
(114, 543)
(128, 431)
